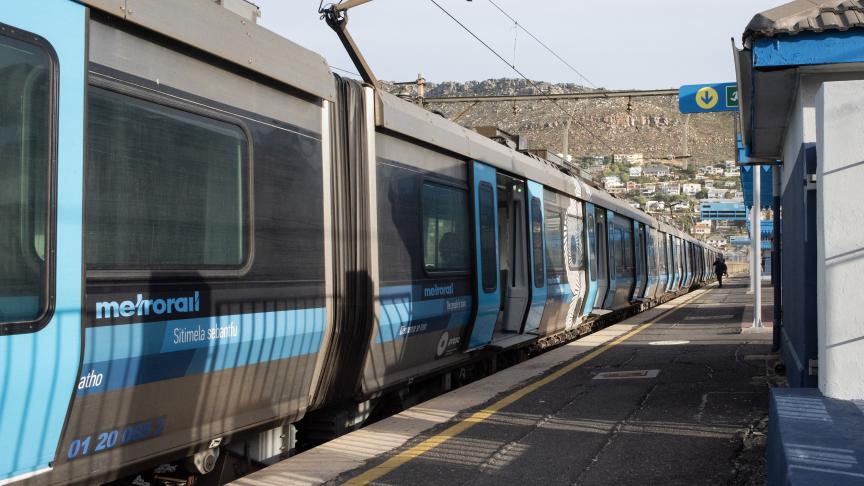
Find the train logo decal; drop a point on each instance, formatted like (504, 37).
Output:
(144, 307)
(442, 343)
(438, 290)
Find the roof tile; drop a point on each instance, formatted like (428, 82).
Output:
(806, 16)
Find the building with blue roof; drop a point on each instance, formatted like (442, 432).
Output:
(722, 210)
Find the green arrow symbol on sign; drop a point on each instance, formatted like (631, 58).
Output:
(731, 96)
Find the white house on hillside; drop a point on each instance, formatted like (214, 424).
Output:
(690, 188)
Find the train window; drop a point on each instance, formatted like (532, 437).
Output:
(554, 242)
(627, 247)
(445, 228)
(592, 244)
(488, 251)
(618, 252)
(651, 247)
(26, 77)
(603, 256)
(537, 241)
(166, 189)
(576, 257)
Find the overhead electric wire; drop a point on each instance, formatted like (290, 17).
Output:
(345, 71)
(521, 26)
(513, 67)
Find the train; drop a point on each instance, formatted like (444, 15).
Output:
(208, 235)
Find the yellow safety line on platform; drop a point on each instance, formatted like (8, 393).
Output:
(477, 417)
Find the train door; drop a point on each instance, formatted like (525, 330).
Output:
(662, 262)
(673, 263)
(593, 267)
(697, 263)
(486, 281)
(697, 260)
(614, 241)
(602, 254)
(685, 249)
(42, 74)
(676, 263)
(641, 270)
(513, 254)
(651, 262)
(537, 257)
(574, 250)
(685, 269)
(691, 265)
(649, 270)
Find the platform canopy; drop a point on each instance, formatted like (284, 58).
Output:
(767, 227)
(766, 183)
(781, 44)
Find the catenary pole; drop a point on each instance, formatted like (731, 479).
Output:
(757, 246)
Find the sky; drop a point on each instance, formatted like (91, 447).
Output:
(623, 44)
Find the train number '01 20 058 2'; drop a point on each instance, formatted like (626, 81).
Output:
(109, 439)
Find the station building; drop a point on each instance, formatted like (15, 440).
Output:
(801, 79)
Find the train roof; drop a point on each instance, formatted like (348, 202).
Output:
(209, 27)
(411, 120)
(604, 199)
(244, 43)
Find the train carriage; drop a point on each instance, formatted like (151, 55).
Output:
(211, 238)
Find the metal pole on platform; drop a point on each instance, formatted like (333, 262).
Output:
(776, 258)
(756, 236)
(750, 256)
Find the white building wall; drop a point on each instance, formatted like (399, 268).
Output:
(839, 122)
(802, 118)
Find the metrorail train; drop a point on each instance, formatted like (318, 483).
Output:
(208, 235)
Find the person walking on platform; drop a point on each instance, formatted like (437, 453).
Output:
(720, 270)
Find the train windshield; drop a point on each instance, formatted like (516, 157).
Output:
(25, 130)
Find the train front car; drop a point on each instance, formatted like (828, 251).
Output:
(203, 291)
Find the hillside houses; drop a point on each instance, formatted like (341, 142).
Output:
(691, 189)
(628, 159)
(612, 182)
(656, 171)
(671, 188)
(717, 193)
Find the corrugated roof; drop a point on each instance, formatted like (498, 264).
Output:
(806, 16)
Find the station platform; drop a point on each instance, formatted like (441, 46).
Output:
(675, 395)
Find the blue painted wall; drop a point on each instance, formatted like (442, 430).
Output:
(809, 48)
(798, 337)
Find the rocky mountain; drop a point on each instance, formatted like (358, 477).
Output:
(649, 125)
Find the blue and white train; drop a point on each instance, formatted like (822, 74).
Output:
(207, 235)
